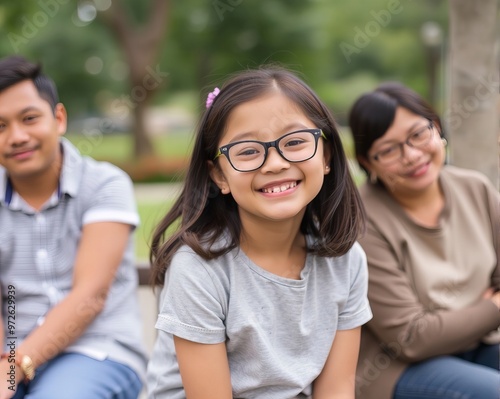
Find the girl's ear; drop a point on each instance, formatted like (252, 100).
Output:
(218, 178)
(327, 157)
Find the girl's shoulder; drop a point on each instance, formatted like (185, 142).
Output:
(353, 258)
(186, 261)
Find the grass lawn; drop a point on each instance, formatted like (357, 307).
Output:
(119, 147)
(150, 214)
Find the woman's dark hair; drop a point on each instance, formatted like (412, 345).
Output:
(15, 69)
(335, 216)
(373, 113)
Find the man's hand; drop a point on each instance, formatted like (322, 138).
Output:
(10, 376)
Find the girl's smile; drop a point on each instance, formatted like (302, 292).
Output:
(276, 187)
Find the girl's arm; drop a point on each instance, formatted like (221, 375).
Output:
(204, 369)
(337, 378)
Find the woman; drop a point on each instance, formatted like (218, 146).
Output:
(432, 245)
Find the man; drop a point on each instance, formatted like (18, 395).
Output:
(71, 325)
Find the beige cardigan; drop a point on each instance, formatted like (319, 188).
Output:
(425, 284)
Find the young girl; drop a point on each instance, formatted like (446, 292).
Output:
(264, 286)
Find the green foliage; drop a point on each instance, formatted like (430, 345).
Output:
(150, 213)
(341, 94)
(48, 31)
(207, 40)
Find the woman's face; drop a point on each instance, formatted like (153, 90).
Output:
(417, 168)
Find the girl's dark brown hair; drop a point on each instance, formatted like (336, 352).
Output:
(335, 217)
(373, 113)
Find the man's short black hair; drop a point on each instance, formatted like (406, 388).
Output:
(15, 69)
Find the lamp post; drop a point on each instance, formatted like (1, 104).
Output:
(432, 38)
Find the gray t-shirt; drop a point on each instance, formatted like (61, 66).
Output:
(278, 331)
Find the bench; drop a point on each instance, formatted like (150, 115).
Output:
(148, 303)
(144, 272)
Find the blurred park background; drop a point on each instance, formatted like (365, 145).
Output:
(134, 74)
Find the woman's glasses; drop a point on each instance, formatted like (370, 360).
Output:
(394, 152)
(250, 155)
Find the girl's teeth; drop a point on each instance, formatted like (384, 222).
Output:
(279, 189)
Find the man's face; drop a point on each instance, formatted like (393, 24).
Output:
(29, 132)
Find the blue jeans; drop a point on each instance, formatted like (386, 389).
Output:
(76, 376)
(470, 375)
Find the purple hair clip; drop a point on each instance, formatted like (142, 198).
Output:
(211, 97)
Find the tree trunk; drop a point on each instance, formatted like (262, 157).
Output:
(141, 46)
(142, 143)
(473, 113)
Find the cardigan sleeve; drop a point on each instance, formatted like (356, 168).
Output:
(407, 329)
(494, 207)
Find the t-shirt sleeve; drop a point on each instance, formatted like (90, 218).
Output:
(111, 198)
(356, 311)
(192, 301)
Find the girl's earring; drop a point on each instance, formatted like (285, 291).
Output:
(444, 141)
(327, 169)
(373, 177)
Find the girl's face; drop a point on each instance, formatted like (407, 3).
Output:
(417, 169)
(279, 189)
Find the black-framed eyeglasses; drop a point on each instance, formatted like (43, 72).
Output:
(250, 155)
(394, 152)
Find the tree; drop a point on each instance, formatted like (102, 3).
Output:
(472, 117)
(224, 36)
(141, 45)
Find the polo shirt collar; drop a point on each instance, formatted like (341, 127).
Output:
(5, 187)
(71, 172)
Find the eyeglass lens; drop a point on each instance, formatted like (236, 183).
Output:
(418, 139)
(294, 147)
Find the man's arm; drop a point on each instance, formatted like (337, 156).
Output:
(2, 330)
(99, 255)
